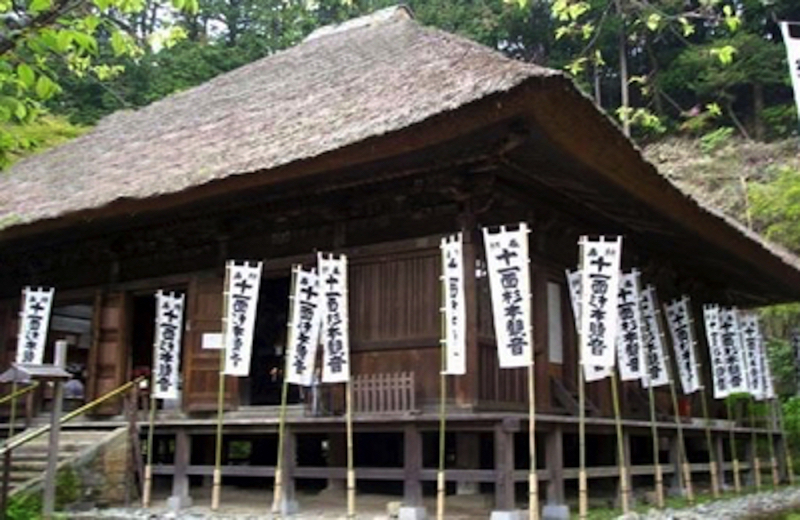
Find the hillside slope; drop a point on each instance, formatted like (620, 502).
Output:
(726, 176)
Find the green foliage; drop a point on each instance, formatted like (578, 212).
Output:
(715, 139)
(24, 506)
(780, 120)
(68, 487)
(791, 424)
(20, 140)
(776, 205)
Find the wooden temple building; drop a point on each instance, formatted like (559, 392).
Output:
(373, 138)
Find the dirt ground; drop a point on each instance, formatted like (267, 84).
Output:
(254, 503)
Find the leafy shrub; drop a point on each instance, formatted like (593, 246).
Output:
(715, 139)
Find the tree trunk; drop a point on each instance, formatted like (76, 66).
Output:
(623, 75)
(758, 108)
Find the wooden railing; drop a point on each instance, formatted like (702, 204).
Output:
(384, 393)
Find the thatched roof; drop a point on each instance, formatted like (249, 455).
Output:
(370, 90)
(326, 93)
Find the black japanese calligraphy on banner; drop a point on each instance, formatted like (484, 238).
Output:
(244, 281)
(455, 313)
(167, 345)
(734, 362)
(600, 261)
(590, 374)
(34, 322)
(304, 328)
(629, 336)
(793, 58)
(335, 318)
(509, 281)
(679, 318)
(716, 352)
(656, 373)
(752, 350)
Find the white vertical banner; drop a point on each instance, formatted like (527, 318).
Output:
(734, 354)
(167, 344)
(34, 322)
(335, 331)
(752, 350)
(509, 280)
(769, 385)
(794, 339)
(793, 58)
(574, 284)
(306, 308)
(455, 313)
(244, 281)
(629, 338)
(716, 351)
(600, 263)
(590, 374)
(679, 318)
(656, 373)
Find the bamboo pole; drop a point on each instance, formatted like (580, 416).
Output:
(217, 482)
(683, 457)
(583, 491)
(7, 455)
(770, 442)
(623, 477)
(786, 451)
(440, 476)
(737, 481)
(351, 474)
(33, 434)
(583, 498)
(713, 463)
(533, 480)
(659, 477)
(756, 460)
(277, 495)
(148, 469)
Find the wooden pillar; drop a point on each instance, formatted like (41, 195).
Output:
(554, 460)
(412, 465)
(749, 456)
(289, 465)
(468, 447)
(719, 446)
(337, 458)
(503, 468)
(676, 482)
(626, 452)
(780, 454)
(180, 479)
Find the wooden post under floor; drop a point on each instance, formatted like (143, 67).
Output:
(554, 460)
(676, 482)
(412, 465)
(337, 458)
(468, 456)
(780, 455)
(719, 447)
(626, 452)
(180, 479)
(504, 468)
(749, 456)
(289, 464)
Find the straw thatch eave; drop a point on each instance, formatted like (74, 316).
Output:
(373, 94)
